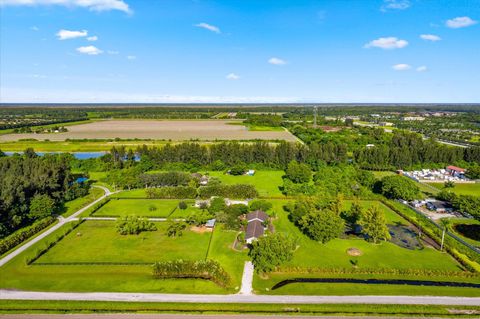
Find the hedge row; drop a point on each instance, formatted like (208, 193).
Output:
(41, 251)
(202, 269)
(23, 234)
(172, 192)
(461, 253)
(377, 271)
(239, 191)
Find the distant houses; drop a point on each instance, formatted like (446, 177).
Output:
(255, 225)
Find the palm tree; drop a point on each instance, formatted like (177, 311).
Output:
(446, 222)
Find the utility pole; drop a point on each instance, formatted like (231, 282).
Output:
(314, 116)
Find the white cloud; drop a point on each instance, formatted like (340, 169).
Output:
(93, 5)
(208, 27)
(276, 61)
(422, 68)
(460, 22)
(34, 28)
(388, 43)
(401, 67)
(68, 34)
(90, 50)
(92, 38)
(395, 5)
(131, 57)
(232, 76)
(430, 37)
(112, 52)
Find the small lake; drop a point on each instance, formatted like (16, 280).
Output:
(77, 155)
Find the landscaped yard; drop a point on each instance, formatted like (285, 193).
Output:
(461, 189)
(267, 183)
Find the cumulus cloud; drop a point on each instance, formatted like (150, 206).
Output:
(92, 38)
(388, 43)
(276, 61)
(93, 5)
(430, 37)
(89, 50)
(232, 76)
(401, 67)
(69, 34)
(208, 27)
(460, 22)
(395, 5)
(422, 68)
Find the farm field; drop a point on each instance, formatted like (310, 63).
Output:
(175, 130)
(98, 242)
(461, 189)
(333, 255)
(266, 182)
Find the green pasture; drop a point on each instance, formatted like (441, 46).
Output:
(461, 188)
(162, 208)
(267, 183)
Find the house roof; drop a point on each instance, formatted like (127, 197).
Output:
(255, 229)
(257, 215)
(455, 168)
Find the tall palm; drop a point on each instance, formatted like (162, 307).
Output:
(445, 222)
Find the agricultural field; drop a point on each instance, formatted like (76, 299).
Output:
(174, 130)
(461, 188)
(333, 255)
(267, 183)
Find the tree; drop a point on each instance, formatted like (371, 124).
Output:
(298, 172)
(271, 251)
(41, 206)
(374, 224)
(399, 187)
(354, 214)
(449, 184)
(175, 229)
(182, 205)
(260, 204)
(217, 204)
(198, 218)
(132, 225)
(238, 169)
(322, 225)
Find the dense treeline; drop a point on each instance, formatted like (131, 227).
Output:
(33, 187)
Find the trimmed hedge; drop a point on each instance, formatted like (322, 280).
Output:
(171, 192)
(201, 269)
(23, 234)
(240, 191)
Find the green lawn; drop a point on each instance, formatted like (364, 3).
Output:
(139, 207)
(266, 182)
(78, 203)
(381, 174)
(134, 193)
(461, 189)
(98, 241)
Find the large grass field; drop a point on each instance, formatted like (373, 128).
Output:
(266, 182)
(97, 241)
(138, 207)
(73, 206)
(461, 189)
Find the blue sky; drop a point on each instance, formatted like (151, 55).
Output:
(239, 51)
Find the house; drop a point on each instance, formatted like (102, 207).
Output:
(437, 206)
(255, 225)
(210, 223)
(455, 171)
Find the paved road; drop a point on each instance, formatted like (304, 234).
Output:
(187, 316)
(238, 298)
(247, 279)
(61, 221)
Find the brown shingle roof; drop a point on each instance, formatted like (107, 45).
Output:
(255, 229)
(257, 215)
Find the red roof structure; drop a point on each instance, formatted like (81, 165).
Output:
(456, 169)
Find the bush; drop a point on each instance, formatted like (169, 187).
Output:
(240, 191)
(175, 229)
(202, 269)
(172, 192)
(23, 234)
(260, 204)
(166, 179)
(182, 205)
(132, 225)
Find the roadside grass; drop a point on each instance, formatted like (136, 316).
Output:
(161, 208)
(71, 307)
(460, 188)
(99, 242)
(267, 183)
(73, 206)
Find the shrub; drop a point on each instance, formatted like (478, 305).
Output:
(175, 229)
(182, 205)
(202, 269)
(260, 204)
(241, 191)
(172, 192)
(132, 225)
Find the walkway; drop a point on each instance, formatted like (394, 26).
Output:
(238, 298)
(61, 221)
